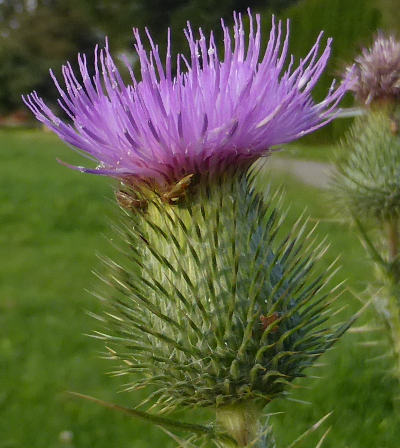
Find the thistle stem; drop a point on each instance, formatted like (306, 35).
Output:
(393, 238)
(241, 422)
(392, 317)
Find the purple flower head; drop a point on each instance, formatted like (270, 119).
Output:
(215, 112)
(376, 76)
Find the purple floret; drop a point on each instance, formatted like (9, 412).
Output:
(215, 111)
(376, 75)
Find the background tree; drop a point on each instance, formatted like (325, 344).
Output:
(158, 15)
(35, 37)
(38, 34)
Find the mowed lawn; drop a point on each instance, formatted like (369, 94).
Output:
(54, 222)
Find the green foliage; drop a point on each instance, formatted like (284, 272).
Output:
(32, 41)
(158, 15)
(215, 306)
(390, 14)
(350, 24)
(367, 182)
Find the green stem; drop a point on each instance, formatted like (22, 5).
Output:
(372, 250)
(391, 319)
(241, 422)
(393, 296)
(393, 239)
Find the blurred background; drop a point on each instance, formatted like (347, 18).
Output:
(54, 222)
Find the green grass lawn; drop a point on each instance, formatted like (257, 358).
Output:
(53, 223)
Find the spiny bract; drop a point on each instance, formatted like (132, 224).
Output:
(214, 307)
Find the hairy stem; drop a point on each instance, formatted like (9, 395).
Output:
(241, 422)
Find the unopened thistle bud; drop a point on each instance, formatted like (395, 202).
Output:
(367, 180)
(375, 79)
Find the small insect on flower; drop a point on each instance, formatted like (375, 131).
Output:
(266, 321)
(129, 201)
(214, 112)
(178, 190)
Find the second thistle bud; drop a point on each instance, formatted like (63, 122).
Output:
(375, 79)
(367, 179)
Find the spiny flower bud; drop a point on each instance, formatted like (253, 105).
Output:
(215, 308)
(376, 75)
(367, 179)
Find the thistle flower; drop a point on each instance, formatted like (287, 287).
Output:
(214, 307)
(376, 75)
(213, 113)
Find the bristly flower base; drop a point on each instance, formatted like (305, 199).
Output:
(214, 308)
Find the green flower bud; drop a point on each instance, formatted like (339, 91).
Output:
(367, 181)
(215, 308)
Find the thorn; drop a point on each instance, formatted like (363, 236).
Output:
(321, 441)
(364, 329)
